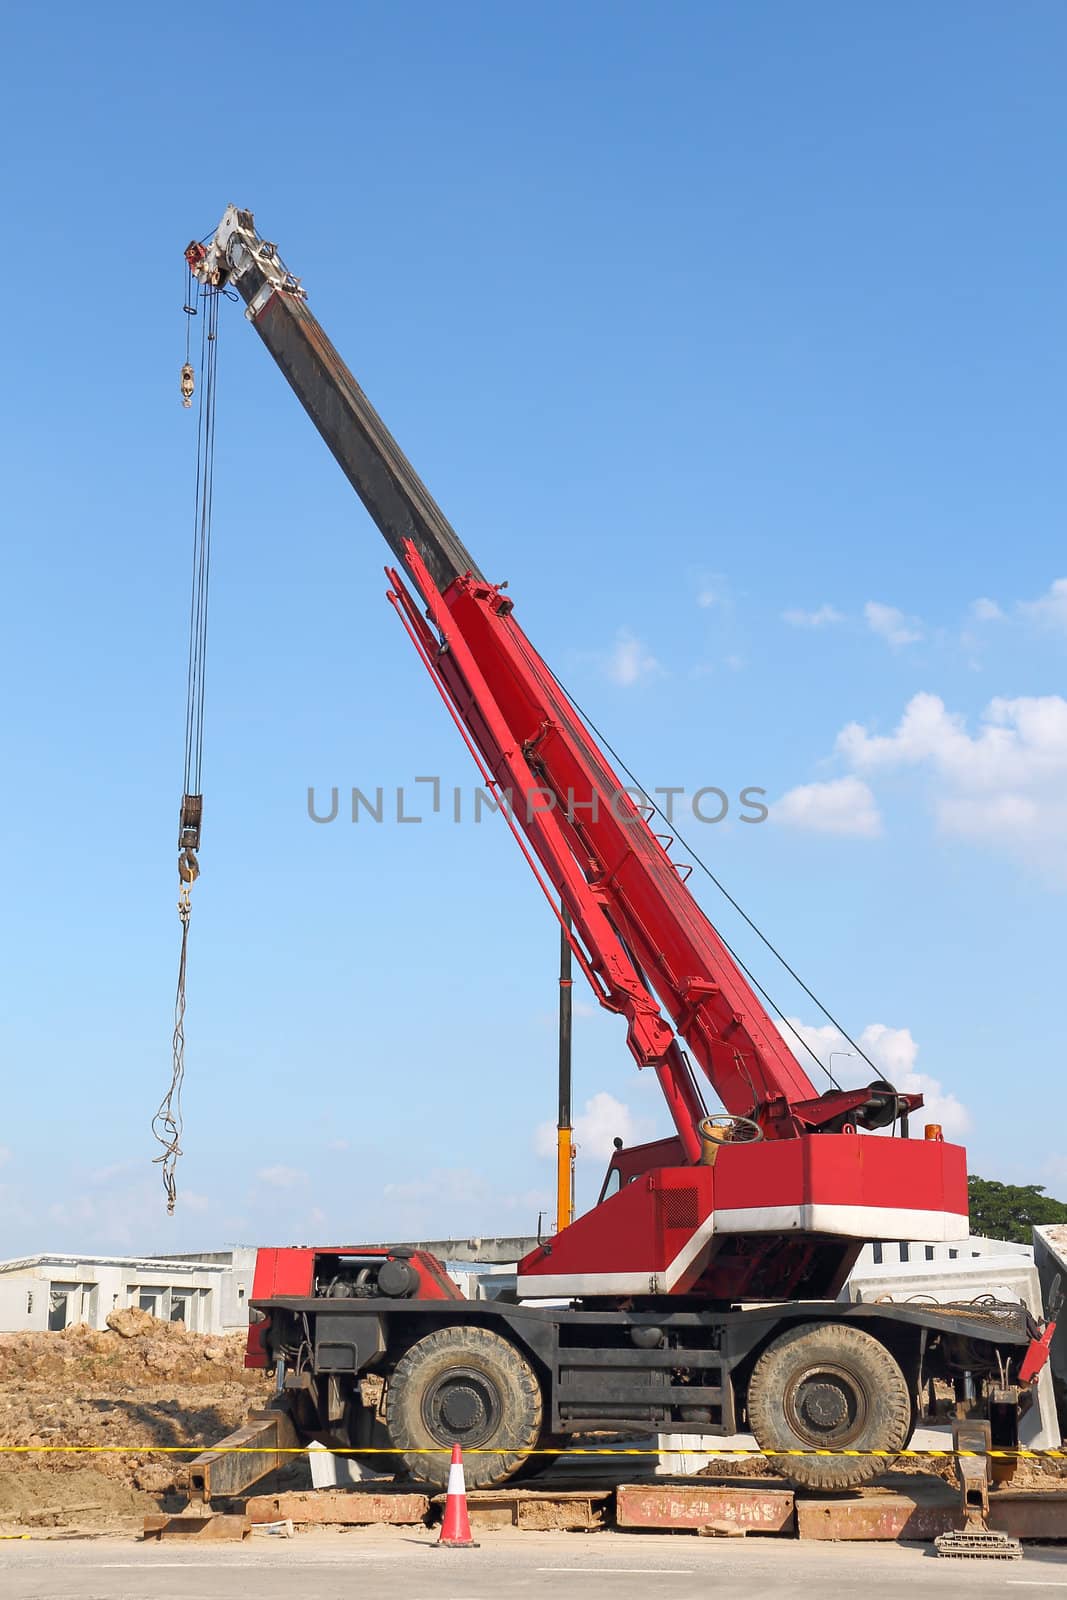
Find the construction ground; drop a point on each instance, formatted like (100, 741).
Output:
(391, 1564)
(123, 1396)
(156, 1385)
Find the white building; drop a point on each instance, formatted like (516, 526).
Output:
(209, 1293)
(237, 1266)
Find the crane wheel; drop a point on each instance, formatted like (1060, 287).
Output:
(470, 1387)
(829, 1386)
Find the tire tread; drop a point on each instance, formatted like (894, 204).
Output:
(890, 1411)
(520, 1390)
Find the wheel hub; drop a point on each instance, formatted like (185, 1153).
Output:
(823, 1405)
(462, 1407)
(826, 1407)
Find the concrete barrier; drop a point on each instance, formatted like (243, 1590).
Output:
(1050, 1259)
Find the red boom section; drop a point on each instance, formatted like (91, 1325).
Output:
(638, 923)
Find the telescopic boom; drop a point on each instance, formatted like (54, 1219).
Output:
(641, 938)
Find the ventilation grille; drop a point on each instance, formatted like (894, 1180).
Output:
(679, 1208)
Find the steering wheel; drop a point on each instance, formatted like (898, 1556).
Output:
(723, 1129)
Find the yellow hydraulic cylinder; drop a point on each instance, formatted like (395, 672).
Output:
(564, 1134)
(564, 1178)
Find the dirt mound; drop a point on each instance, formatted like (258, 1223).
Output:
(140, 1384)
(139, 1346)
(130, 1321)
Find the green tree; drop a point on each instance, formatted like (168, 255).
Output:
(1010, 1210)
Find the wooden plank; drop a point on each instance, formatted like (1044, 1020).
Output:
(345, 1507)
(689, 1505)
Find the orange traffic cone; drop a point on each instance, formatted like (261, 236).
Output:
(456, 1527)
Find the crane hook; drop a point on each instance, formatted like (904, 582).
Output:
(188, 384)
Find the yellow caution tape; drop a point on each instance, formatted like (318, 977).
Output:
(444, 1450)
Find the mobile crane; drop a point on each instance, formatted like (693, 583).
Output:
(698, 1293)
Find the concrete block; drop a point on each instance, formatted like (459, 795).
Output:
(749, 1506)
(1050, 1258)
(347, 1507)
(543, 1510)
(330, 1471)
(922, 1513)
(879, 1514)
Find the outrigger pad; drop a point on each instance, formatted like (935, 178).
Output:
(977, 1546)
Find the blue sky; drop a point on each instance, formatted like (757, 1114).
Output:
(732, 336)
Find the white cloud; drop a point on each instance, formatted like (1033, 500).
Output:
(596, 1127)
(891, 624)
(280, 1177)
(448, 1185)
(1021, 741)
(192, 1201)
(986, 611)
(1005, 784)
(822, 617)
(1050, 610)
(630, 660)
(110, 1215)
(14, 1211)
(460, 1203)
(842, 806)
(103, 1219)
(893, 1052)
(714, 591)
(101, 1176)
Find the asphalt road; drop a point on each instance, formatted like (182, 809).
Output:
(394, 1564)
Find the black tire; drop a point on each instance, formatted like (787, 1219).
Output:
(829, 1386)
(465, 1386)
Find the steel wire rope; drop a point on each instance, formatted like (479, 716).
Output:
(168, 1123)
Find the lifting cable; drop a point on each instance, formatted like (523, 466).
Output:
(740, 911)
(200, 300)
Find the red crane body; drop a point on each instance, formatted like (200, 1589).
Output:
(647, 948)
(700, 1293)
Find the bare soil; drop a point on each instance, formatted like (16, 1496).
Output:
(150, 1384)
(1020, 1474)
